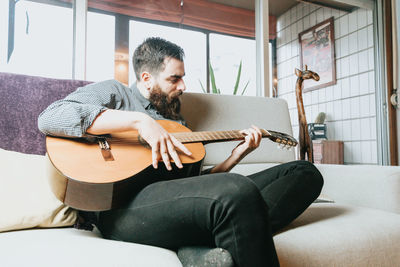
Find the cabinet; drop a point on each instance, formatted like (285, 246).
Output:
(328, 151)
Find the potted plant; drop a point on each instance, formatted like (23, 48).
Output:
(216, 90)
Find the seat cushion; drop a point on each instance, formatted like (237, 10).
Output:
(72, 247)
(326, 234)
(330, 234)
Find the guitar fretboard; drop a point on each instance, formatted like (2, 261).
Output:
(207, 136)
(213, 136)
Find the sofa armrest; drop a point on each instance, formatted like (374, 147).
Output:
(363, 185)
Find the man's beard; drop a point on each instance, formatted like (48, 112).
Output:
(168, 106)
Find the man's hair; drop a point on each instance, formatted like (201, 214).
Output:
(150, 55)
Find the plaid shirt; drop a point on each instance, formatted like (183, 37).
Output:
(74, 114)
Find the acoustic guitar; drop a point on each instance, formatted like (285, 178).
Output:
(103, 172)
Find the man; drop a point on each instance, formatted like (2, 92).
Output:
(220, 209)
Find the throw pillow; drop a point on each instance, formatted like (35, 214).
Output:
(26, 200)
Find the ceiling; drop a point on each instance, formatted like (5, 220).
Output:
(276, 7)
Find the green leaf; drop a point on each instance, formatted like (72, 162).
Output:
(235, 89)
(215, 90)
(202, 87)
(244, 89)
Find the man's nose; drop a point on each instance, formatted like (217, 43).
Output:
(181, 85)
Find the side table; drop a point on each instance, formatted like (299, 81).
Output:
(328, 151)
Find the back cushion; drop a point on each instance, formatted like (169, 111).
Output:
(210, 112)
(22, 99)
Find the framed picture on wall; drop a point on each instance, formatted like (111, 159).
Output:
(317, 51)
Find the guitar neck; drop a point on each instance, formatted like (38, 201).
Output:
(212, 136)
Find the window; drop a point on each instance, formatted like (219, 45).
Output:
(3, 32)
(42, 43)
(272, 87)
(226, 53)
(100, 47)
(192, 42)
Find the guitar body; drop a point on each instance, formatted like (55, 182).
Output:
(85, 179)
(106, 172)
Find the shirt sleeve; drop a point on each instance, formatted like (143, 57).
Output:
(74, 114)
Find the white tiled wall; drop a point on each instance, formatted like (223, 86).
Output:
(350, 104)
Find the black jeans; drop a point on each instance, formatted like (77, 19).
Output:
(226, 210)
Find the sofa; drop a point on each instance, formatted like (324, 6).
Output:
(355, 221)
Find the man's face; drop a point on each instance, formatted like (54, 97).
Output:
(168, 86)
(170, 80)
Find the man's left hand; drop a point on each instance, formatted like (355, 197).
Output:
(251, 141)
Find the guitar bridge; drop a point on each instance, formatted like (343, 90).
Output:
(105, 149)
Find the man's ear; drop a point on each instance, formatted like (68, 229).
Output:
(147, 79)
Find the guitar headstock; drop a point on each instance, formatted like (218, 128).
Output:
(284, 140)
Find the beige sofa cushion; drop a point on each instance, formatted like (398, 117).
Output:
(210, 112)
(330, 234)
(69, 247)
(26, 200)
(368, 186)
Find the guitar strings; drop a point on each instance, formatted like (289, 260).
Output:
(194, 137)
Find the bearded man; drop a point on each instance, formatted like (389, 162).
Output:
(217, 208)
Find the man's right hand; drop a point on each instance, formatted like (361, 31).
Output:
(163, 145)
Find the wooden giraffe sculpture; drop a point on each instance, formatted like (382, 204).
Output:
(304, 138)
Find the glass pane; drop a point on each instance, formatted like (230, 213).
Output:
(226, 53)
(271, 76)
(100, 47)
(42, 40)
(3, 32)
(192, 42)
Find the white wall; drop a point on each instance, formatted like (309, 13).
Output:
(350, 104)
